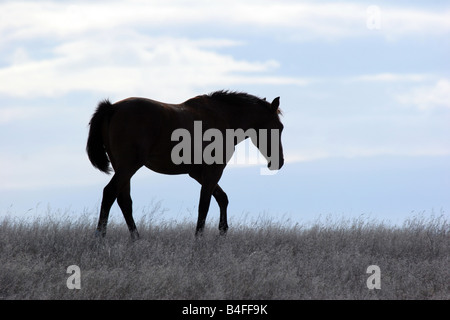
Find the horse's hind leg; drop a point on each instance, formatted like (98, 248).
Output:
(110, 194)
(126, 205)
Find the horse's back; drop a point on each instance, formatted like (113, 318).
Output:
(143, 127)
(141, 106)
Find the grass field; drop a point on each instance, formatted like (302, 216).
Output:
(260, 260)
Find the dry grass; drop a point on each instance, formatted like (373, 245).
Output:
(266, 260)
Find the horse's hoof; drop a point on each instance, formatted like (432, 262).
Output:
(134, 235)
(99, 234)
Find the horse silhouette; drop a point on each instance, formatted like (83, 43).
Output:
(137, 132)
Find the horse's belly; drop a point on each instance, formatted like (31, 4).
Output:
(167, 167)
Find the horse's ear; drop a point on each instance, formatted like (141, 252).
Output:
(264, 99)
(275, 104)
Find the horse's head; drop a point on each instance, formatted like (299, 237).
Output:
(269, 136)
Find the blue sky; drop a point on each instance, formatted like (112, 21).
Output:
(364, 86)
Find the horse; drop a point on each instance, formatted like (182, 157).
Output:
(137, 132)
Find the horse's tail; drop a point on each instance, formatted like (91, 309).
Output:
(95, 144)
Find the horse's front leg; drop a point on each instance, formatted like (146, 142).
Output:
(203, 207)
(208, 177)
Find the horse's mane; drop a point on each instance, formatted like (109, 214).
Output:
(234, 97)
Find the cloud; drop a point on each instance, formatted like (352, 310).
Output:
(428, 97)
(51, 48)
(392, 77)
(302, 20)
(415, 22)
(134, 64)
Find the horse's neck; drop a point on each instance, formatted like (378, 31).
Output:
(243, 118)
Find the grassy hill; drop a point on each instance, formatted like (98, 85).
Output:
(261, 260)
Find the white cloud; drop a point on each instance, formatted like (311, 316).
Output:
(428, 97)
(108, 47)
(298, 20)
(415, 22)
(392, 77)
(135, 64)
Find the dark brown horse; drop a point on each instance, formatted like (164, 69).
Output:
(138, 132)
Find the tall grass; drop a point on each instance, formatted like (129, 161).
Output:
(259, 260)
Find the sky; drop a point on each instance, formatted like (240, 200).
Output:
(364, 87)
